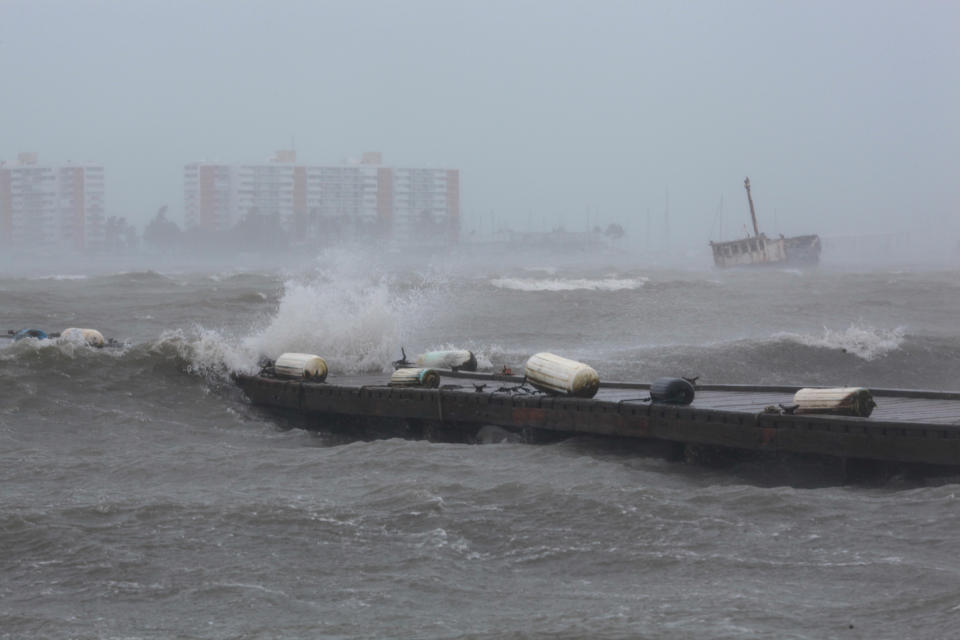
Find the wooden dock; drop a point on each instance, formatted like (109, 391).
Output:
(907, 426)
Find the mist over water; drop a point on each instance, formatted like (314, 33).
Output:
(145, 497)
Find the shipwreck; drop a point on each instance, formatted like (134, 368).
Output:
(759, 250)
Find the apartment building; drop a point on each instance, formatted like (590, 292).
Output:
(51, 207)
(322, 202)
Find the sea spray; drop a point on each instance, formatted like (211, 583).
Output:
(357, 321)
(208, 353)
(355, 327)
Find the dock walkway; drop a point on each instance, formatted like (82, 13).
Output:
(910, 426)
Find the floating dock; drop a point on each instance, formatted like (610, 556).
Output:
(907, 426)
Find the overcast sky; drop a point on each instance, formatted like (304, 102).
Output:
(843, 114)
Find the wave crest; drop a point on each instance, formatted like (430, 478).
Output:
(568, 284)
(356, 322)
(863, 341)
(354, 327)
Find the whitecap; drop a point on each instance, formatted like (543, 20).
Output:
(65, 276)
(861, 340)
(568, 284)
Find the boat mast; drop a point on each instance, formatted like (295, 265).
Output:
(753, 214)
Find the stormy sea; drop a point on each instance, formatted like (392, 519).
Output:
(143, 496)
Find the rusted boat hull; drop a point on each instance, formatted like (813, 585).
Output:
(797, 251)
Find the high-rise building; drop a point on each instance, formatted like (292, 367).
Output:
(51, 207)
(314, 202)
(426, 202)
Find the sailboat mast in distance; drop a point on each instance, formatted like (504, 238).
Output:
(753, 214)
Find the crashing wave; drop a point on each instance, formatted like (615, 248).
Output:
(355, 320)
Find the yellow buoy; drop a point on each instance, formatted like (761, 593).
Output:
(554, 374)
(90, 336)
(844, 401)
(301, 365)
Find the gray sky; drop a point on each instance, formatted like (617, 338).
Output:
(843, 114)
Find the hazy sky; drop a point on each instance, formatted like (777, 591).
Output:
(843, 114)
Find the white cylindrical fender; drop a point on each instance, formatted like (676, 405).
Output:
(301, 365)
(553, 374)
(415, 377)
(90, 336)
(847, 401)
(456, 359)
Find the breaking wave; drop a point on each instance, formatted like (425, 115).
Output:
(567, 284)
(349, 310)
(856, 356)
(61, 276)
(354, 326)
(34, 351)
(866, 342)
(354, 317)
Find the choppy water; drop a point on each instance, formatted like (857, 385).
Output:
(142, 497)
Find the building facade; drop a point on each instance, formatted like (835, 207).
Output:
(322, 203)
(51, 207)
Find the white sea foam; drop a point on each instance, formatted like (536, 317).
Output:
(68, 346)
(208, 352)
(355, 321)
(354, 327)
(861, 340)
(568, 284)
(65, 276)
